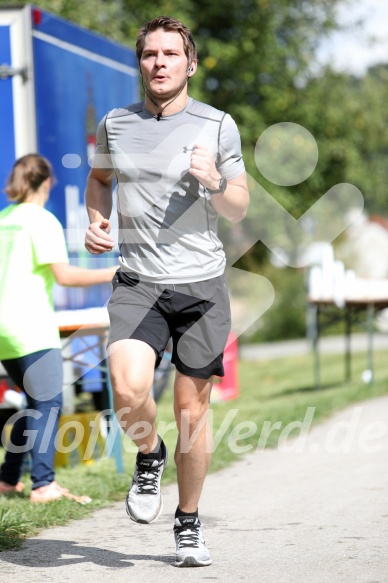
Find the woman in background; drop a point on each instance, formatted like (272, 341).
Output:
(33, 256)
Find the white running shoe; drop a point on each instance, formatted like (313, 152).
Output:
(191, 548)
(144, 501)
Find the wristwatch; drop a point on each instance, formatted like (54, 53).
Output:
(221, 187)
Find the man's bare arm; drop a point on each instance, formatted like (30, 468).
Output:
(231, 204)
(98, 199)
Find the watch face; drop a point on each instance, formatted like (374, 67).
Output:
(221, 187)
(223, 184)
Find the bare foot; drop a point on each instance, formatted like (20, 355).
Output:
(6, 488)
(53, 492)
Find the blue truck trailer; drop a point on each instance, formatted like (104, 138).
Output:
(57, 80)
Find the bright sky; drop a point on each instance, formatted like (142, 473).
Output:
(367, 45)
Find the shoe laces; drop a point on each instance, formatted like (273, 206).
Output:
(147, 480)
(187, 535)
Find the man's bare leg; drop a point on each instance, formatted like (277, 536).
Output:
(131, 366)
(191, 404)
(192, 457)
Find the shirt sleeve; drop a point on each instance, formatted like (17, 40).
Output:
(48, 240)
(230, 163)
(102, 157)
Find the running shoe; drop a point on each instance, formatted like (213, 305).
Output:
(191, 548)
(144, 501)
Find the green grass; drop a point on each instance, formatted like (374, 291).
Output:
(274, 391)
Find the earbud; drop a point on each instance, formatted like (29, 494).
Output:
(189, 70)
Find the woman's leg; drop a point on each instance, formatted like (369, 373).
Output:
(10, 470)
(40, 376)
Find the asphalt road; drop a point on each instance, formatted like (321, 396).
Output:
(327, 345)
(315, 510)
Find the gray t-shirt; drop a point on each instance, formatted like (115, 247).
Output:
(167, 225)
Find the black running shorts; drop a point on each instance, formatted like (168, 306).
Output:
(195, 315)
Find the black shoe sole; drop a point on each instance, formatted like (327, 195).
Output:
(192, 562)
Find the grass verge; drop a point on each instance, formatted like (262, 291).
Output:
(278, 391)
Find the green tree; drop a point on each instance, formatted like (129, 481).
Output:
(368, 168)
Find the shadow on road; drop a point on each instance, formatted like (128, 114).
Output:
(59, 553)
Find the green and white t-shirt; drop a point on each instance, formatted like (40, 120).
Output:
(31, 239)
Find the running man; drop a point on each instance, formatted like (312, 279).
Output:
(178, 165)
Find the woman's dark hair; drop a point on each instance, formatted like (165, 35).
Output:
(168, 24)
(26, 176)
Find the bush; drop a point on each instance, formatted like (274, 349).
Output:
(286, 318)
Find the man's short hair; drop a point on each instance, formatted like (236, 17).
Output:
(168, 24)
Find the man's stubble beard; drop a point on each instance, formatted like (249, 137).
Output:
(165, 97)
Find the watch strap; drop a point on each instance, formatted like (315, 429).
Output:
(221, 188)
